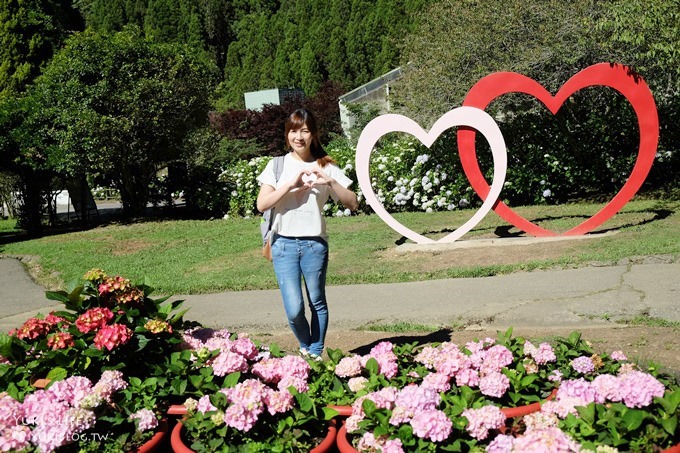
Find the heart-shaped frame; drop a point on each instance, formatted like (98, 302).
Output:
(461, 116)
(618, 77)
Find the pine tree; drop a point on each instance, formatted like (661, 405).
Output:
(31, 31)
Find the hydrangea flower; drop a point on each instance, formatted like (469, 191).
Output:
(112, 336)
(583, 365)
(482, 420)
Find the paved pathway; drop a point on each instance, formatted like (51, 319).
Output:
(574, 298)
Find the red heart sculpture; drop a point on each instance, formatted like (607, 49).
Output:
(618, 77)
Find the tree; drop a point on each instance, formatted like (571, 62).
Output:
(262, 131)
(118, 107)
(587, 149)
(457, 43)
(645, 35)
(30, 32)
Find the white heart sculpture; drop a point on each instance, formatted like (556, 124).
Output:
(461, 116)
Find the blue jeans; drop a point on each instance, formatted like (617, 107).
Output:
(298, 260)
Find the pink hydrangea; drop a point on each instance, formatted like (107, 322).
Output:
(411, 400)
(228, 362)
(541, 355)
(482, 420)
(494, 384)
(278, 402)
(348, 366)
(583, 365)
(386, 358)
(437, 381)
(15, 438)
(241, 417)
(72, 390)
(299, 383)
(269, 370)
(555, 376)
(146, 420)
(638, 389)
(292, 365)
(11, 412)
(431, 424)
(204, 405)
(249, 393)
(55, 320)
(427, 356)
(245, 346)
(619, 356)
(451, 360)
(608, 387)
(368, 442)
(551, 440)
(467, 376)
(477, 350)
(109, 383)
(579, 388)
(495, 359)
(357, 384)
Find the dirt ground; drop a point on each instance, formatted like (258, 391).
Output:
(646, 345)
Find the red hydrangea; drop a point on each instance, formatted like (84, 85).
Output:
(33, 328)
(112, 336)
(60, 340)
(93, 319)
(113, 284)
(133, 296)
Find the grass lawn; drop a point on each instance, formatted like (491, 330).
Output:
(191, 256)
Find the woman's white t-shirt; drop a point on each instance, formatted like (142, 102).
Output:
(300, 212)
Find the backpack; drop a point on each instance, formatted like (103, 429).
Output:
(268, 215)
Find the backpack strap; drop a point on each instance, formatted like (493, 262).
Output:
(278, 169)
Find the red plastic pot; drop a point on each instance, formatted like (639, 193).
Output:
(154, 444)
(327, 445)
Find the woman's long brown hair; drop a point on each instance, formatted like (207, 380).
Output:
(302, 117)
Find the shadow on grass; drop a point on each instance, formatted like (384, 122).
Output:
(510, 231)
(68, 223)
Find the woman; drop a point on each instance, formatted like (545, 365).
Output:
(300, 247)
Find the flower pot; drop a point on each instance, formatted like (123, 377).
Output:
(520, 411)
(177, 409)
(343, 411)
(327, 445)
(154, 444)
(674, 449)
(343, 443)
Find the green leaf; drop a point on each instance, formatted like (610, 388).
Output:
(142, 341)
(373, 366)
(304, 401)
(6, 342)
(57, 374)
(231, 380)
(59, 296)
(670, 401)
(670, 425)
(329, 413)
(633, 419)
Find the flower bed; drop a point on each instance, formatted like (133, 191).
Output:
(450, 398)
(115, 359)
